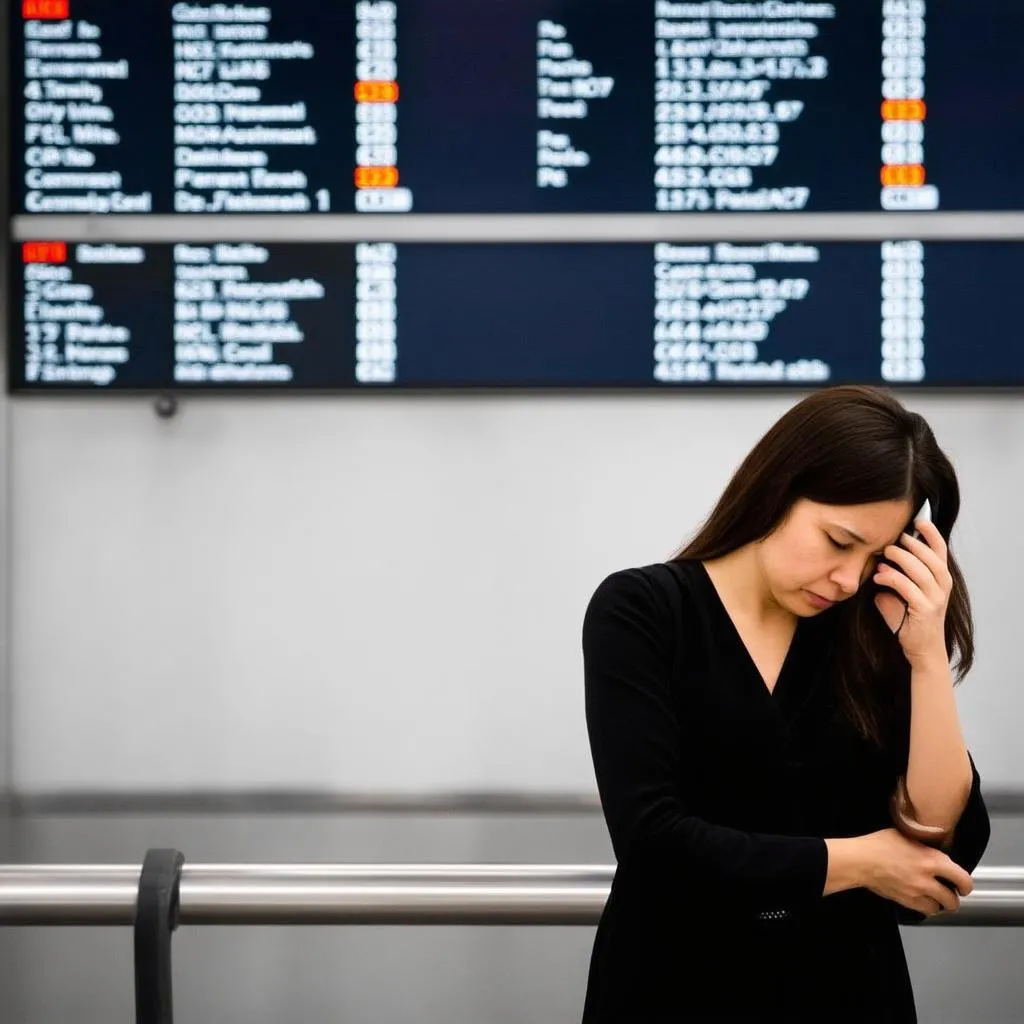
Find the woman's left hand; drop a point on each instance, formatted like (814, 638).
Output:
(925, 583)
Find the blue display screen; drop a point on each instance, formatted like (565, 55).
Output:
(392, 316)
(518, 106)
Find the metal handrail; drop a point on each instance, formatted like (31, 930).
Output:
(406, 894)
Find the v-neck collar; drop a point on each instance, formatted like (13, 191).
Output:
(776, 692)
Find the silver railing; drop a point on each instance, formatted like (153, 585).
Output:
(400, 894)
(164, 892)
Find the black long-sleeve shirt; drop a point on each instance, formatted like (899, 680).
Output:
(719, 794)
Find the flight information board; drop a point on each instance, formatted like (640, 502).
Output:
(385, 316)
(462, 106)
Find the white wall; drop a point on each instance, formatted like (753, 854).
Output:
(384, 593)
(6, 682)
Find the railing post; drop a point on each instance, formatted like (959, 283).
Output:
(156, 917)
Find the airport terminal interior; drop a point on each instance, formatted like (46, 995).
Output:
(350, 347)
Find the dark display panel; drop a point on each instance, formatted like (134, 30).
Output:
(453, 106)
(385, 316)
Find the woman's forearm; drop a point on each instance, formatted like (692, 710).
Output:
(938, 779)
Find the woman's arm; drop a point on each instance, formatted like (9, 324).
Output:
(954, 816)
(935, 803)
(638, 752)
(939, 800)
(939, 775)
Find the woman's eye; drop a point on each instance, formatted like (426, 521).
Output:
(836, 544)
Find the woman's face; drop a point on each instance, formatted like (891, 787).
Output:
(821, 554)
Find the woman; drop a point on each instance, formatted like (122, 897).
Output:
(775, 738)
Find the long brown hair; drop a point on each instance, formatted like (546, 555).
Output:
(849, 445)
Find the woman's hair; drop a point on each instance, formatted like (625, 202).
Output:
(849, 445)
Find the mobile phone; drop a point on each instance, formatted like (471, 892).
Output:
(924, 512)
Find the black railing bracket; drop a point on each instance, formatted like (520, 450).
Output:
(156, 918)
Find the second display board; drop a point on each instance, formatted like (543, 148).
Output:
(397, 316)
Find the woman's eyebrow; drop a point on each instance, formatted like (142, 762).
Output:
(855, 536)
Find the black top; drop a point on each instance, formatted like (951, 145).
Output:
(719, 794)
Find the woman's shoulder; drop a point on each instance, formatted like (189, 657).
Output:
(642, 610)
(652, 590)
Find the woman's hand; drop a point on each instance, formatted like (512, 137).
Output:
(925, 583)
(911, 874)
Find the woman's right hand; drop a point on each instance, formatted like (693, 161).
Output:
(908, 872)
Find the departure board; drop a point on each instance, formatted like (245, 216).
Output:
(389, 316)
(461, 106)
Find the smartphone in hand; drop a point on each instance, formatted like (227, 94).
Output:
(924, 512)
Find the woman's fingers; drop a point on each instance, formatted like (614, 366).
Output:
(958, 876)
(947, 899)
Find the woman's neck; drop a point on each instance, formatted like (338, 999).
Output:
(741, 583)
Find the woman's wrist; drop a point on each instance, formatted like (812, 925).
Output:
(847, 864)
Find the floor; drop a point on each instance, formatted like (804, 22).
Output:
(399, 975)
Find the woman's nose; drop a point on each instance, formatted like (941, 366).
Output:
(849, 577)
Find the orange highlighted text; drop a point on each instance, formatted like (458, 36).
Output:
(903, 110)
(376, 177)
(907, 175)
(376, 92)
(46, 10)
